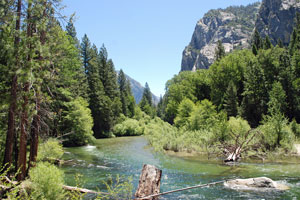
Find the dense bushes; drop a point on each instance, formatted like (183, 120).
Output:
(78, 123)
(129, 127)
(50, 150)
(47, 181)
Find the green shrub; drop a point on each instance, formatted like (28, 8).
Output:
(50, 150)
(238, 129)
(204, 116)
(295, 128)
(276, 133)
(129, 127)
(79, 122)
(185, 109)
(120, 188)
(47, 181)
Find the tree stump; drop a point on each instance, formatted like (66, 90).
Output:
(149, 182)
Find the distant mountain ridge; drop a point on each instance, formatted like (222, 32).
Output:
(234, 27)
(137, 90)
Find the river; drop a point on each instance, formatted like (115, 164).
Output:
(125, 156)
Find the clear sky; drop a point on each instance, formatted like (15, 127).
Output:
(145, 38)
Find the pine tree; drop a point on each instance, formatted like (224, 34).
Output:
(277, 102)
(123, 92)
(126, 97)
(256, 40)
(70, 28)
(267, 43)
(146, 102)
(220, 51)
(231, 100)
(85, 47)
(13, 95)
(108, 77)
(279, 43)
(98, 100)
(147, 95)
(295, 37)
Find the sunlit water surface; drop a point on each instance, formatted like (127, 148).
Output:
(126, 156)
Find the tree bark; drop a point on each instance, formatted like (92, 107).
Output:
(149, 182)
(24, 115)
(35, 129)
(23, 136)
(13, 97)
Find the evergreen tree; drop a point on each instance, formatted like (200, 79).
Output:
(231, 100)
(254, 50)
(146, 102)
(220, 51)
(70, 28)
(277, 102)
(99, 102)
(108, 77)
(147, 95)
(131, 100)
(267, 43)
(256, 40)
(161, 108)
(295, 37)
(255, 94)
(123, 93)
(127, 99)
(279, 43)
(276, 108)
(85, 47)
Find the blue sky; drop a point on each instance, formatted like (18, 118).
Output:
(145, 38)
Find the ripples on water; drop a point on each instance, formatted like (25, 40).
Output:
(126, 156)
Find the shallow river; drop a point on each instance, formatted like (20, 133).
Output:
(126, 156)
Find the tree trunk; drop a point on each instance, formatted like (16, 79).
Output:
(234, 156)
(13, 97)
(35, 129)
(24, 116)
(23, 136)
(149, 182)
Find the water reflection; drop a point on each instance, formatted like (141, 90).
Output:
(125, 156)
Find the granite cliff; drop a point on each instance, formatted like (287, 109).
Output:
(234, 27)
(276, 18)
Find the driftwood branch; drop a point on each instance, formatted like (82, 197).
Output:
(82, 190)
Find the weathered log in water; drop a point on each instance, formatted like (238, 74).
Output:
(234, 156)
(149, 182)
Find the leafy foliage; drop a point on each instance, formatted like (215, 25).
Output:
(118, 188)
(50, 150)
(47, 181)
(78, 123)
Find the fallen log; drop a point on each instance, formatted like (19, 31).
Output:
(149, 182)
(234, 156)
(12, 184)
(82, 190)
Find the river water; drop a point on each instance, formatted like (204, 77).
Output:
(125, 157)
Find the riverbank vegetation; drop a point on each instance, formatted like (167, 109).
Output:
(54, 86)
(248, 97)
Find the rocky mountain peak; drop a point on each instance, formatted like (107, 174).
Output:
(233, 26)
(276, 18)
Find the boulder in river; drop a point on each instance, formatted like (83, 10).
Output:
(258, 184)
